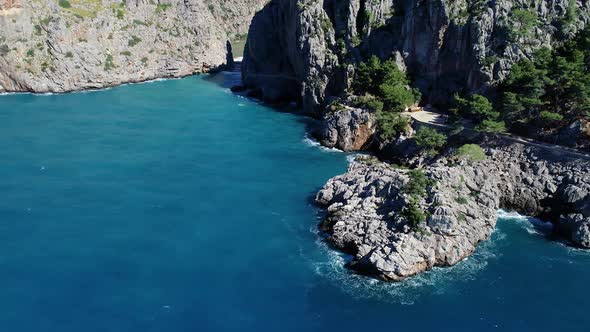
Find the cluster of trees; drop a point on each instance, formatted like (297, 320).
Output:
(545, 93)
(386, 82)
(550, 91)
(384, 88)
(479, 109)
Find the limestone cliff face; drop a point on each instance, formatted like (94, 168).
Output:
(305, 49)
(58, 46)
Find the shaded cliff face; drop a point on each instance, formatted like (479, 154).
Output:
(58, 46)
(307, 49)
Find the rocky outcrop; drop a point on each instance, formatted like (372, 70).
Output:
(367, 208)
(306, 49)
(348, 129)
(58, 46)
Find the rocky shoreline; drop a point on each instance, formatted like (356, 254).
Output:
(367, 206)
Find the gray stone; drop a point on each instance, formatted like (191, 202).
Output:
(462, 208)
(350, 129)
(100, 44)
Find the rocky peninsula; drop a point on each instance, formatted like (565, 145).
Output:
(367, 207)
(60, 46)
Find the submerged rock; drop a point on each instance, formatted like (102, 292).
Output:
(367, 207)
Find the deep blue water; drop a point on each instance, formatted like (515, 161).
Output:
(177, 206)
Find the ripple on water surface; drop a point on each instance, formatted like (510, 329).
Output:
(176, 205)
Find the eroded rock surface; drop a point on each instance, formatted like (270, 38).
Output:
(58, 46)
(349, 129)
(366, 207)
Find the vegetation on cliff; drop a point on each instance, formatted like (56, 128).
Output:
(385, 90)
(550, 91)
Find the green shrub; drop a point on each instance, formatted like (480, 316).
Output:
(481, 110)
(491, 126)
(472, 152)
(397, 97)
(550, 117)
(385, 81)
(69, 55)
(524, 21)
(335, 107)
(461, 200)
(430, 139)
(476, 107)
(126, 53)
(462, 217)
(369, 102)
(108, 64)
(391, 125)
(326, 24)
(64, 4)
(120, 14)
(162, 7)
(134, 41)
(418, 184)
(414, 214)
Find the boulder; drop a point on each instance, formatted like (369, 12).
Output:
(349, 129)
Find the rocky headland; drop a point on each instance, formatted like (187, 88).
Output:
(371, 208)
(67, 45)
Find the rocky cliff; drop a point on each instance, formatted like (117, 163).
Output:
(306, 49)
(370, 209)
(65, 45)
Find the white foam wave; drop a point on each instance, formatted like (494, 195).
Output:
(310, 141)
(351, 158)
(437, 281)
(532, 225)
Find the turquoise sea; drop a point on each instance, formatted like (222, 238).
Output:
(178, 206)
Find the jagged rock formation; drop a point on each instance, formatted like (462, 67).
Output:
(348, 129)
(58, 46)
(305, 49)
(366, 207)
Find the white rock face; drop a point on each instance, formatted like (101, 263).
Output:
(59, 46)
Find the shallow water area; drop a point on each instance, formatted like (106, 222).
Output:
(178, 206)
